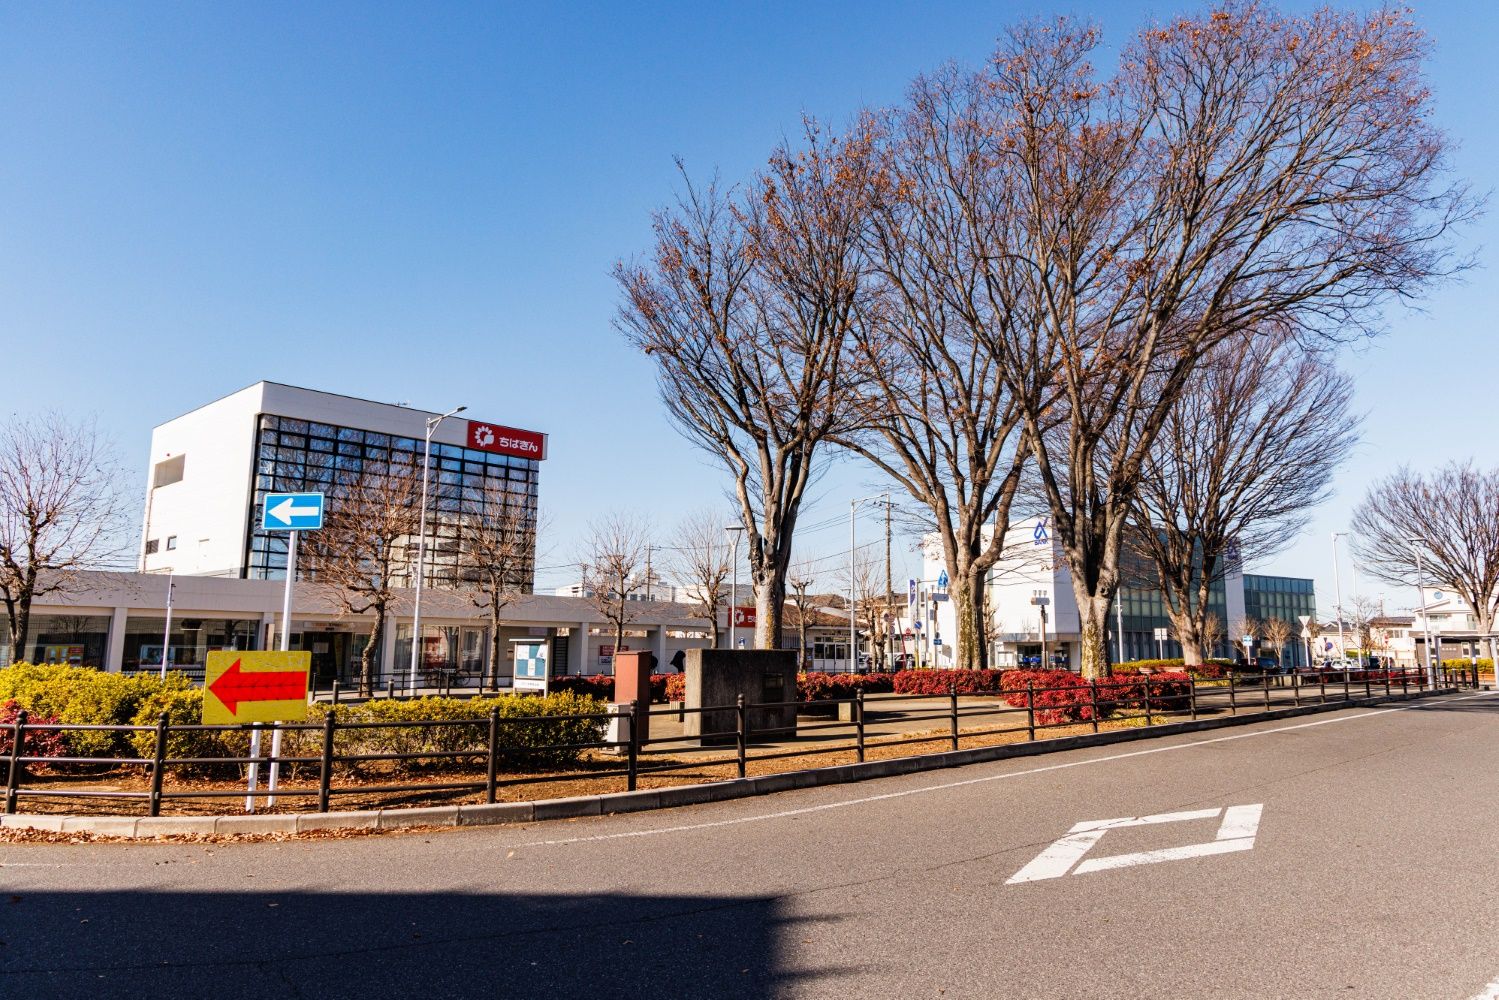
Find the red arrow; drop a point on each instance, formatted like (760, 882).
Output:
(235, 685)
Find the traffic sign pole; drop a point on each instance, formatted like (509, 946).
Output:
(291, 579)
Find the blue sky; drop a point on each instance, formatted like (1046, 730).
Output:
(422, 204)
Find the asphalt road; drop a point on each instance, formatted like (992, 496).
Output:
(1371, 872)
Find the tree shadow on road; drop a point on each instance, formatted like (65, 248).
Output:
(329, 944)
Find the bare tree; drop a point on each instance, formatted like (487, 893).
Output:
(702, 563)
(614, 569)
(746, 306)
(1445, 524)
(1210, 633)
(802, 581)
(61, 513)
(933, 413)
(496, 554)
(363, 551)
(1243, 456)
(1278, 632)
(865, 581)
(1241, 170)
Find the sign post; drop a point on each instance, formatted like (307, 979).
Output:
(1160, 643)
(293, 513)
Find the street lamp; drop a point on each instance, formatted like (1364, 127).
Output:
(1415, 544)
(421, 541)
(1337, 584)
(736, 530)
(853, 629)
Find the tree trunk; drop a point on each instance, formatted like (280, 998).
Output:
(1190, 637)
(770, 602)
(495, 646)
(801, 628)
(20, 628)
(367, 657)
(1093, 619)
(968, 609)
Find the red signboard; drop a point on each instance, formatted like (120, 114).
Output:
(744, 617)
(506, 440)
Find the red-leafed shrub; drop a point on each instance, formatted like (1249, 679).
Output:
(1169, 692)
(1212, 670)
(939, 682)
(38, 742)
(676, 687)
(602, 685)
(817, 686)
(1061, 696)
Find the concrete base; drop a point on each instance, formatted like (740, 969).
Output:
(717, 677)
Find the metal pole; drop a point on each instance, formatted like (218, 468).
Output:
(421, 541)
(734, 589)
(889, 589)
(291, 577)
(1425, 616)
(166, 636)
(1119, 624)
(1338, 591)
(853, 638)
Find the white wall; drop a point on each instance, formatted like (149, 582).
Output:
(207, 510)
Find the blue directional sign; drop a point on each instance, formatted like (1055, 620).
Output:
(292, 512)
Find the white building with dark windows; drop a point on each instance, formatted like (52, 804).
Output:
(212, 467)
(1034, 616)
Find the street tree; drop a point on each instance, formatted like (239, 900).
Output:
(1278, 632)
(801, 583)
(62, 512)
(614, 569)
(366, 548)
(933, 413)
(1240, 170)
(745, 305)
(1442, 528)
(496, 548)
(864, 582)
(702, 563)
(1242, 458)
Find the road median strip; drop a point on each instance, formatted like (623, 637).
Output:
(610, 803)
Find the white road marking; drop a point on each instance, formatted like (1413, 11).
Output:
(847, 803)
(1490, 992)
(1235, 833)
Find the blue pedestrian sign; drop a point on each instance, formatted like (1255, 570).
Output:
(292, 512)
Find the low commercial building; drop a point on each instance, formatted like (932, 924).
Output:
(118, 622)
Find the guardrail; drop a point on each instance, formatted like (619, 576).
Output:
(1157, 699)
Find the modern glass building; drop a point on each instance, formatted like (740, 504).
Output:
(211, 469)
(1287, 598)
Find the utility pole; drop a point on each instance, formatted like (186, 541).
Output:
(648, 571)
(889, 589)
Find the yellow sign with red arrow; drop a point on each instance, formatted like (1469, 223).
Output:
(269, 686)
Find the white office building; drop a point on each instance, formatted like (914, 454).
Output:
(212, 467)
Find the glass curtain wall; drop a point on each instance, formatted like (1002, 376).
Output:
(299, 455)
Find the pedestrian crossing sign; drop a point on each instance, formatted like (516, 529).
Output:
(530, 664)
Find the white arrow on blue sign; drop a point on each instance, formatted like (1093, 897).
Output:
(292, 512)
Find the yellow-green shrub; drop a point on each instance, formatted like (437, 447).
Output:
(184, 707)
(84, 696)
(530, 745)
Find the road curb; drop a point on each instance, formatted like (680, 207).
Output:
(145, 828)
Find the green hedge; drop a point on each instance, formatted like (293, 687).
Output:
(535, 745)
(88, 697)
(85, 696)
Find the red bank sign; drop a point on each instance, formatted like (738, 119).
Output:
(506, 440)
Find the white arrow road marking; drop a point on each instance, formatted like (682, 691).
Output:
(1235, 833)
(287, 509)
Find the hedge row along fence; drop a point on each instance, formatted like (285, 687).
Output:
(369, 748)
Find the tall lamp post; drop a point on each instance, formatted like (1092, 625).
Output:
(1415, 544)
(736, 530)
(421, 541)
(1337, 584)
(853, 628)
